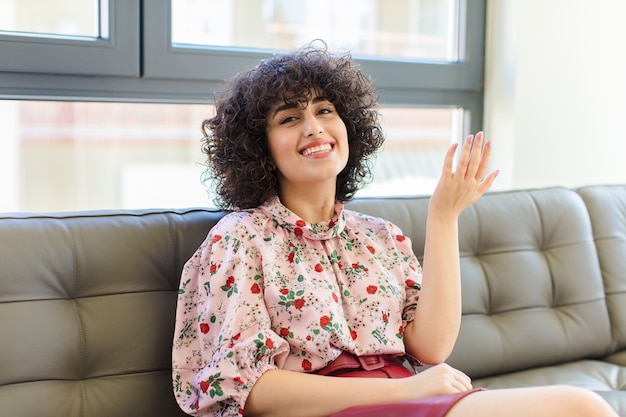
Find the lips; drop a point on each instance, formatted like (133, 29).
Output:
(317, 149)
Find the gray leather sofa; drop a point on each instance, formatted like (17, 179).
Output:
(87, 299)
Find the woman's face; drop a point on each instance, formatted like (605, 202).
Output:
(308, 142)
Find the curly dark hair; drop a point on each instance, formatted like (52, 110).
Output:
(238, 160)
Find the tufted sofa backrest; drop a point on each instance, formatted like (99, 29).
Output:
(87, 304)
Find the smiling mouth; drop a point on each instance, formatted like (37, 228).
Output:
(317, 149)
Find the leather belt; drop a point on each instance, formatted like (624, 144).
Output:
(347, 362)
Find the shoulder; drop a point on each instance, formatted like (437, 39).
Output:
(236, 230)
(380, 233)
(241, 221)
(372, 223)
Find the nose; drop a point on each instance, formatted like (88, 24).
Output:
(311, 126)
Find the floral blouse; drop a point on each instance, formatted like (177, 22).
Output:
(267, 290)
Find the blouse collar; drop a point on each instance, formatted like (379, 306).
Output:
(287, 219)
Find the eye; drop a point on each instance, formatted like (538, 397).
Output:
(287, 119)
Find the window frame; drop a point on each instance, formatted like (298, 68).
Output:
(117, 55)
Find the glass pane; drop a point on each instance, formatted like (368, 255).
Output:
(63, 156)
(416, 141)
(58, 18)
(414, 29)
(72, 156)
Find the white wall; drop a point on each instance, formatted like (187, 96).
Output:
(555, 91)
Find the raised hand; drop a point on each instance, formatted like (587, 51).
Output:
(459, 188)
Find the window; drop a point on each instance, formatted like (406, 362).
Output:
(95, 116)
(69, 37)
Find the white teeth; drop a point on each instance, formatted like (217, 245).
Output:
(317, 149)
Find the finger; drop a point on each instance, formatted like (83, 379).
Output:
(465, 154)
(475, 157)
(487, 182)
(449, 160)
(464, 383)
(459, 386)
(484, 161)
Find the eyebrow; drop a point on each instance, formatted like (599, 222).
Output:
(294, 104)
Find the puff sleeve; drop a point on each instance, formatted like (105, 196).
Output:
(412, 272)
(223, 340)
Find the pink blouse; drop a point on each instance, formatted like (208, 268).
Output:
(268, 290)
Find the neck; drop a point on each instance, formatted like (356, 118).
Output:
(312, 205)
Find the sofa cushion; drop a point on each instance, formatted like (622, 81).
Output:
(606, 379)
(607, 210)
(87, 303)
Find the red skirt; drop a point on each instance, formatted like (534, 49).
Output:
(424, 407)
(349, 365)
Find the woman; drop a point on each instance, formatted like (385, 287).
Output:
(290, 284)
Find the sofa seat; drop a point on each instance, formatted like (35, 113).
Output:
(607, 379)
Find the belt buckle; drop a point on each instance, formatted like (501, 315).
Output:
(371, 362)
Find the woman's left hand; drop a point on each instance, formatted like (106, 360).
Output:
(457, 189)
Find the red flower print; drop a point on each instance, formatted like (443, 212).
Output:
(213, 268)
(371, 249)
(335, 298)
(204, 386)
(217, 238)
(331, 223)
(269, 343)
(291, 256)
(237, 336)
(353, 334)
(324, 321)
(306, 365)
(385, 318)
(400, 238)
(239, 380)
(284, 332)
(308, 337)
(356, 266)
(410, 283)
(284, 291)
(401, 330)
(298, 303)
(371, 289)
(301, 223)
(319, 268)
(298, 231)
(255, 289)
(204, 328)
(230, 281)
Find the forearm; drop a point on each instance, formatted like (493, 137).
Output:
(432, 334)
(286, 393)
